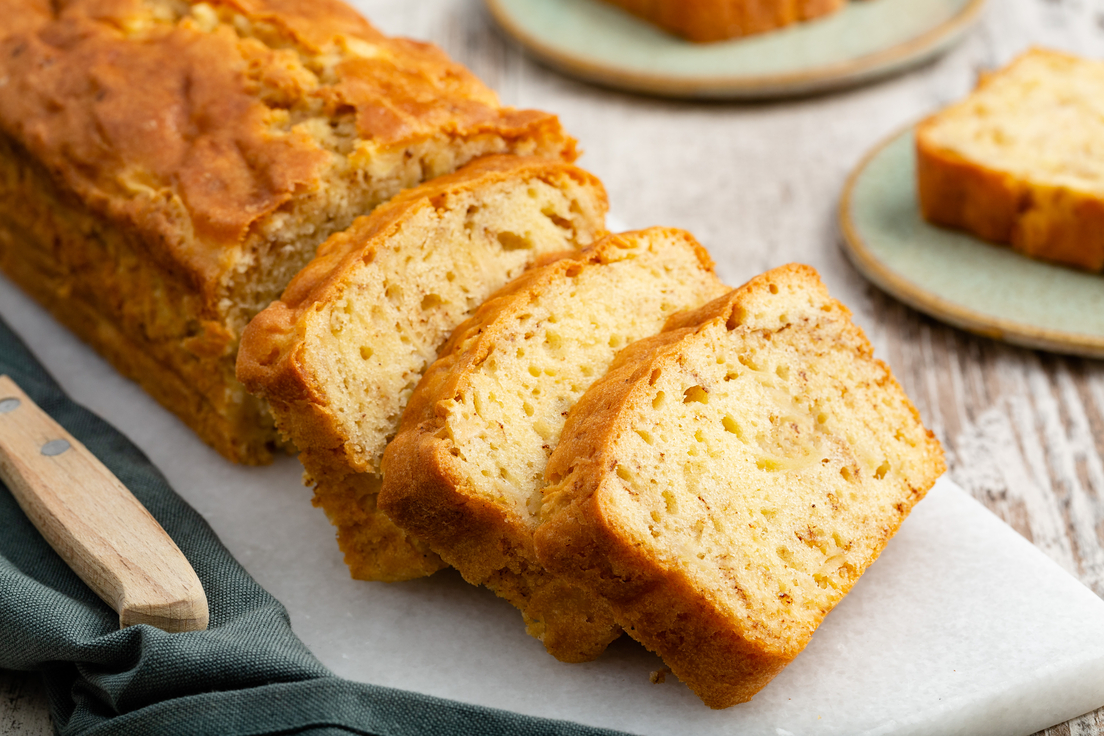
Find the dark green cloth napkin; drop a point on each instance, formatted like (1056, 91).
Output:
(247, 674)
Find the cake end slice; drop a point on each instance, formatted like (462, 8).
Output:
(1021, 160)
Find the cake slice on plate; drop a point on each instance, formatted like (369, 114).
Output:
(1021, 160)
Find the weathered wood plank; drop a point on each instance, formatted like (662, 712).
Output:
(23, 710)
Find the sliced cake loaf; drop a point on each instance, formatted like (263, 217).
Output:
(1021, 160)
(167, 166)
(466, 470)
(704, 21)
(338, 356)
(727, 482)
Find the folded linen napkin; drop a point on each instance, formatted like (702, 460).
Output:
(247, 674)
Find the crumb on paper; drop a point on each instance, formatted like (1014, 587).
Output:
(659, 676)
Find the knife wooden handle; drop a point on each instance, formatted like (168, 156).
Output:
(90, 518)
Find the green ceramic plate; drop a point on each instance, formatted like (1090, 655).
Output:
(983, 288)
(866, 40)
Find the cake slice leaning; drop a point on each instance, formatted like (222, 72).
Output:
(1021, 160)
(466, 470)
(729, 480)
(339, 354)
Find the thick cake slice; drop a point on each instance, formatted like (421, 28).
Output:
(1021, 160)
(167, 166)
(704, 21)
(339, 354)
(728, 481)
(466, 470)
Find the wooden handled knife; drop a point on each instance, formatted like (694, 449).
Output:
(90, 518)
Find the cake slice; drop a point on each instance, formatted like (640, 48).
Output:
(727, 482)
(705, 21)
(466, 470)
(1021, 160)
(339, 354)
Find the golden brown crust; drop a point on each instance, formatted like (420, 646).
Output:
(238, 430)
(654, 601)
(375, 549)
(1039, 220)
(113, 111)
(280, 378)
(96, 107)
(1064, 226)
(660, 609)
(84, 274)
(706, 21)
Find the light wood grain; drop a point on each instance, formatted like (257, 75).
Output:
(759, 184)
(23, 708)
(94, 522)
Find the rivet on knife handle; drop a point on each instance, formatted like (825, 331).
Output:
(90, 518)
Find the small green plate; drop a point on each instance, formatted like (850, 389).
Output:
(983, 288)
(866, 40)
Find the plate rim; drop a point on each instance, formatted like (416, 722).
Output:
(934, 305)
(868, 67)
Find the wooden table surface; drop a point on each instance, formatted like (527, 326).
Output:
(758, 184)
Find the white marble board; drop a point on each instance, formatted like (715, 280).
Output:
(962, 626)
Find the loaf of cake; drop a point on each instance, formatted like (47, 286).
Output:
(704, 21)
(167, 166)
(1021, 160)
(729, 480)
(339, 354)
(465, 472)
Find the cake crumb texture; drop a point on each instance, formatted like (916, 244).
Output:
(466, 470)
